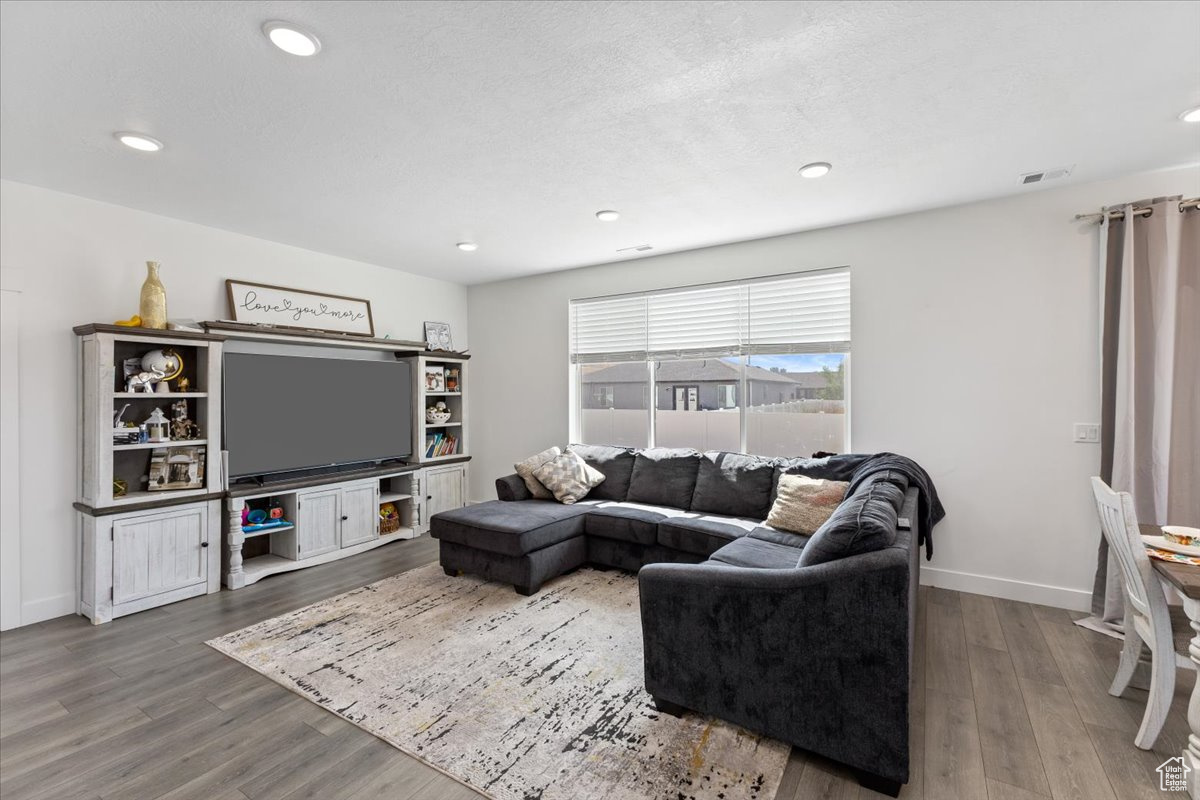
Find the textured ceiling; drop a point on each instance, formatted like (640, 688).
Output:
(511, 123)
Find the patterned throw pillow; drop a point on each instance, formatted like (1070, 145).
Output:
(803, 504)
(569, 477)
(525, 470)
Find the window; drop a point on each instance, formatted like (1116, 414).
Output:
(727, 395)
(613, 403)
(602, 396)
(755, 366)
(798, 418)
(688, 413)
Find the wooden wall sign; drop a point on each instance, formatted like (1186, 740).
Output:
(262, 304)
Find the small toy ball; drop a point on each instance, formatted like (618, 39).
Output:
(257, 516)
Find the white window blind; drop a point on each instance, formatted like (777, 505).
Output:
(807, 312)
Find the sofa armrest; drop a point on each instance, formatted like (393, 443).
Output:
(815, 656)
(512, 487)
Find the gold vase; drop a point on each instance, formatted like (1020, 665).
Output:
(152, 307)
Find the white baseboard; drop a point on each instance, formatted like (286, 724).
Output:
(1057, 596)
(47, 608)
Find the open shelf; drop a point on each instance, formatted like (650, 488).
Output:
(156, 445)
(443, 394)
(258, 567)
(166, 494)
(393, 497)
(164, 395)
(267, 531)
(443, 424)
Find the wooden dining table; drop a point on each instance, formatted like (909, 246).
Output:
(1185, 579)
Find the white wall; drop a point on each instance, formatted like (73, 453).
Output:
(974, 345)
(84, 261)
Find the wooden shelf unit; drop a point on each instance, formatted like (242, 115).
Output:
(456, 402)
(144, 548)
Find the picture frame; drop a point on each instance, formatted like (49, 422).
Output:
(435, 378)
(176, 468)
(284, 307)
(437, 336)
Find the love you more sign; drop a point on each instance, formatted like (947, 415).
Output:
(263, 304)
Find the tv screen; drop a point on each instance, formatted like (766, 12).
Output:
(285, 413)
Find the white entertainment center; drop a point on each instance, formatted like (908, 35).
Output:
(143, 546)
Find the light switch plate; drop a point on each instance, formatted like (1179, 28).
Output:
(1087, 433)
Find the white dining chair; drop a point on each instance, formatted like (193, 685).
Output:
(1148, 617)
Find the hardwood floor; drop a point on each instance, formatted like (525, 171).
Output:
(1009, 703)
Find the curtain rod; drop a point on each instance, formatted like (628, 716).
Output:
(1139, 211)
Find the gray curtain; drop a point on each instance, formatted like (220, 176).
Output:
(1150, 382)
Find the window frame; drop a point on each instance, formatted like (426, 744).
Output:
(742, 399)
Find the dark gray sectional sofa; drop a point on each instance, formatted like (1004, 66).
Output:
(805, 639)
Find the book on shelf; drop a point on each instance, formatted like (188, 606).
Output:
(440, 444)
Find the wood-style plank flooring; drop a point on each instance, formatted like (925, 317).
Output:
(1009, 703)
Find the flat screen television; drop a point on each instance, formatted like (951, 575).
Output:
(286, 413)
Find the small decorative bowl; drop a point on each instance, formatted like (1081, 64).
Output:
(436, 417)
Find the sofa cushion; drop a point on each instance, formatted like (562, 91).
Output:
(702, 534)
(803, 504)
(617, 465)
(750, 552)
(819, 468)
(512, 528)
(734, 484)
(525, 470)
(865, 522)
(628, 522)
(769, 534)
(664, 476)
(569, 477)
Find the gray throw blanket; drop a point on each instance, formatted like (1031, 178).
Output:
(857, 467)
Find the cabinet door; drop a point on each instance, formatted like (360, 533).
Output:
(159, 552)
(318, 521)
(360, 513)
(445, 489)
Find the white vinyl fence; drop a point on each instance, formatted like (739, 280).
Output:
(771, 430)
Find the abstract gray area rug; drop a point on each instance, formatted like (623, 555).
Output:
(522, 698)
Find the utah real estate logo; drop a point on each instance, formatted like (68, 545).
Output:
(1172, 775)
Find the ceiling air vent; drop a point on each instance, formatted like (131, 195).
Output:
(637, 248)
(1046, 175)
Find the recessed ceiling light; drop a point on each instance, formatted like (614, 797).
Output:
(1191, 115)
(291, 39)
(817, 169)
(138, 141)
(467, 247)
(607, 216)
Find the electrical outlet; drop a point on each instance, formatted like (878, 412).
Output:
(1087, 433)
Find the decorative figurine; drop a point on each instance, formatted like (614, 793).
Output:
(183, 385)
(182, 427)
(144, 381)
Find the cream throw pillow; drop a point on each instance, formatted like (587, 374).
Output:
(569, 477)
(803, 504)
(525, 470)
